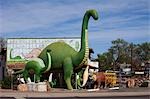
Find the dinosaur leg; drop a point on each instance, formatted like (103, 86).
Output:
(37, 77)
(68, 70)
(26, 75)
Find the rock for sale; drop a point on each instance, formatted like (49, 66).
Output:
(22, 87)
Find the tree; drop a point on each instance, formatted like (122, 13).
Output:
(123, 52)
(144, 51)
(104, 61)
(118, 50)
(91, 51)
(3, 49)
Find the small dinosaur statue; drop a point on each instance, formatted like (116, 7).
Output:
(16, 57)
(60, 55)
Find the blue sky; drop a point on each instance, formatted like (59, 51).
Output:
(126, 19)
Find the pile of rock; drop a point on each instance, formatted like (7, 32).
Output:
(41, 87)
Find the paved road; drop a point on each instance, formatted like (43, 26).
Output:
(133, 93)
(116, 97)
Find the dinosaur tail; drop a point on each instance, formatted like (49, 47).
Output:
(48, 66)
(18, 72)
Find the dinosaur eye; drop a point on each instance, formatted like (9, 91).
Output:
(48, 50)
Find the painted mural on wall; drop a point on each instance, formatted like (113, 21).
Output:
(20, 50)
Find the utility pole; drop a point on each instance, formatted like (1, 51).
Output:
(131, 47)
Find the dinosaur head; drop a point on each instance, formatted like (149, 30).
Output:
(94, 14)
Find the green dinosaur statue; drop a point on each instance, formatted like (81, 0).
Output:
(36, 66)
(60, 55)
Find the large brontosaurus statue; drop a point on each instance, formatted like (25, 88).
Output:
(60, 55)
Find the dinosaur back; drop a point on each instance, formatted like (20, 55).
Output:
(59, 51)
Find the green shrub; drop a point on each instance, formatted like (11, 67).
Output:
(6, 82)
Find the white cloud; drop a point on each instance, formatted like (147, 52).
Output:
(41, 14)
(118, 19)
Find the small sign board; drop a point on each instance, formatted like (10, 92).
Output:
(140, 73)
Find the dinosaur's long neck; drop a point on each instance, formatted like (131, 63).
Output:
(48, 66)
(84, 51)
(83, 54)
